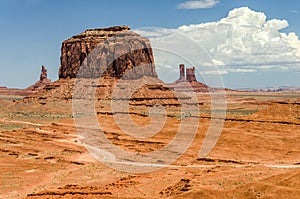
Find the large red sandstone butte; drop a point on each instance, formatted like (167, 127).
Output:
(110, 51)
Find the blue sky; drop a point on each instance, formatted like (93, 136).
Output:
(32, 31)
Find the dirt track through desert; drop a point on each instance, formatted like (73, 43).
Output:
(109, 157)
(257, 154)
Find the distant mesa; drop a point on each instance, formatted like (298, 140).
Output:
(273, 89)
(116, 50)
(13, 91)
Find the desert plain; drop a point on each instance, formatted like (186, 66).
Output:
(256, 156)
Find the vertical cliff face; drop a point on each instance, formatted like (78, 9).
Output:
(186, 74)
(43, 74)
(190, 74)
(115, 52)
(181, 72)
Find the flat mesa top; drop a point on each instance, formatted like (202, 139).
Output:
(113, 28)
(100, 33)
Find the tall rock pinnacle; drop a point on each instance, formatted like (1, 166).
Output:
(43, 75)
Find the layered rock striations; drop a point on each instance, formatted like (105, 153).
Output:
(115, 53)
(110, 52)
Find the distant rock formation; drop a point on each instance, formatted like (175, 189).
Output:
(188, 76)
(273, 89)
(39, 85)
(42, 82)
(182, 73)
(14, 91)
(118, 50)
(43, 75)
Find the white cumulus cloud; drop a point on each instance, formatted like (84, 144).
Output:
(198, 4)
(243, 42)
(245, 37)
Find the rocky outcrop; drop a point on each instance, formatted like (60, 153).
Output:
(44, 81)
(190, 74)
(187, 81)
(186, 74)
(43, 75)
(114, 52)
(181, 72)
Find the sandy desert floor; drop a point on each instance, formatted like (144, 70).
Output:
(256, 156)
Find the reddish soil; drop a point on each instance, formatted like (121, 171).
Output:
(256, 156)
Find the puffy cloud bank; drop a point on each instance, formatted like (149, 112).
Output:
(244, 41)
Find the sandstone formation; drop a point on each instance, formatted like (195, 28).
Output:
(182, 72)
(110, 52)
(123, 57)
(187, 74)
(43, 75)
(187, 81)
(190, 74)
(42, 82)
(153, 92)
